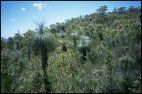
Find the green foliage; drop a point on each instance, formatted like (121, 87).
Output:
(11, 67)
(109, 42)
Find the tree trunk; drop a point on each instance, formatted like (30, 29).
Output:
(74, 43)
(44, 66)
(84, 53)
(64, 48)
(29, 52)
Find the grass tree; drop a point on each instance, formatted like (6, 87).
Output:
(99, 29)
(18, 39)
(84, 46)
(45, 42)
(74, 35)
(62, 35)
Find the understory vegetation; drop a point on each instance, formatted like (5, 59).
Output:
(96, 53)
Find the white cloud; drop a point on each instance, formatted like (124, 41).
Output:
(23, 9)
(13, 19)
(40, 6)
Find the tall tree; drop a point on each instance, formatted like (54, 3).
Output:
(74, 35)
(27, 41)
(18, 39)
(84, 46)
(10, 43)
(102, 10)
(102, 13)
(45, 42)
(122, 9)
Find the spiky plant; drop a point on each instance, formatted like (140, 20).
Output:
(84, 46)
(18, 39)
(45, 42)
(62, 35)
(74, 35)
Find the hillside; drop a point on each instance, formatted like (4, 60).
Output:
(96, 53)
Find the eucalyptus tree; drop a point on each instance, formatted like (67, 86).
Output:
(132, 9)
(58, 27)
(74, 35)
(122, 9)
(10, 43)
(102, 13)
(27, 41)
(46, 43)
(63, 27)
(53, 28)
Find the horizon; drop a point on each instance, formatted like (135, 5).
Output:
(21, 15)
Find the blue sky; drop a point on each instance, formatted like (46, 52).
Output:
(21, 15)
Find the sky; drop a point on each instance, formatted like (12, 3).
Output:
(23, 15)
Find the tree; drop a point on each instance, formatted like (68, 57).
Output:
(102, 10)
(53, 29)
(3, 43)
(45, 42)
(63, 27)
(10, 43)
(114, 10)
(74, 35)
(102, 13)
(27, 42)
(122, 9)
(18, 40)
(132, 9)
(62, 35)
(84, 46)
(99, 29)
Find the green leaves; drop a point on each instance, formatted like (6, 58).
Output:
(46, 40)
(109, 42)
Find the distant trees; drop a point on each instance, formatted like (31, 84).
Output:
(102, 10)
(131, 9)
(10, 43)
(18, 40)
(102, 13)
(53, 29)
(109, 44)
(121, 9)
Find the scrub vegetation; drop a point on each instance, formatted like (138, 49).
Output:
(96, 53)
